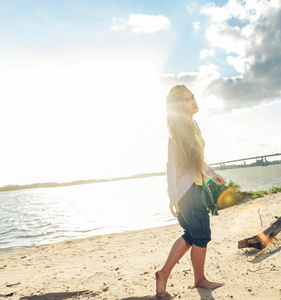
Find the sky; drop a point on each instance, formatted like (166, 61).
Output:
(83, 83)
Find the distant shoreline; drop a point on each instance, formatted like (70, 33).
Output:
(256, 164)
(15, 187)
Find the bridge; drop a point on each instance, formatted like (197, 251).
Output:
(260, 160)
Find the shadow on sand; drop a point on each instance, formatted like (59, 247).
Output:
(152, 297)
(260, 255)
(61, 296)
(89, 295)
(265, 255)
(204, 295)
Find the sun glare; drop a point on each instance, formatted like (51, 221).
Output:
(229, 197)
(80, 121)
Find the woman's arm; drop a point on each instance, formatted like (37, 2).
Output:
(171, 172)
(209, 172)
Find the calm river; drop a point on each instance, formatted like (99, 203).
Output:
(47, 215)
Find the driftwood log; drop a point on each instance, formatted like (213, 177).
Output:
(262, 239)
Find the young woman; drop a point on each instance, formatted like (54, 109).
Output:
(185, 171)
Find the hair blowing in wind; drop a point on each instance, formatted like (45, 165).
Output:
(182, 131)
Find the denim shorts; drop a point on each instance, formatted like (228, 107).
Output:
(194, 217)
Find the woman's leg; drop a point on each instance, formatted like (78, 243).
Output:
(177, 251)
(198, 256)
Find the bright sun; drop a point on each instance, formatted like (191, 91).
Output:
(79, 121)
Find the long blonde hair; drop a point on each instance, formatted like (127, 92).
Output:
(189, 155)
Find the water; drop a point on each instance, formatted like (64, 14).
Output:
(47, 215)
(254, 178)
(42, 216)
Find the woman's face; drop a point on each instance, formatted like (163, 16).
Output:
(190, 103)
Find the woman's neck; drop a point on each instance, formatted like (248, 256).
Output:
(190, 117)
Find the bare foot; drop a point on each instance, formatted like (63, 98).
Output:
(206, 284)
(161, 282)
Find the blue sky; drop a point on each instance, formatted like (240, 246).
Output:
(59, 28)
(84, 83)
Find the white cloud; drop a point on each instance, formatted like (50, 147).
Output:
(206, 52)
(218, 14)
(249, 33)
(195, 80)
(140, 23)
(148, 23)
(120, 27)
(120, 24)
(191, 8)
(229, 38)
(196, 25)
(245, 11)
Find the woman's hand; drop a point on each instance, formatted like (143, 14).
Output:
(219, 180)
(174, 208)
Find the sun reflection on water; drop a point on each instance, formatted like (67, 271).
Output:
(42, 216)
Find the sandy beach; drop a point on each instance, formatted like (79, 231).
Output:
(122, 266)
